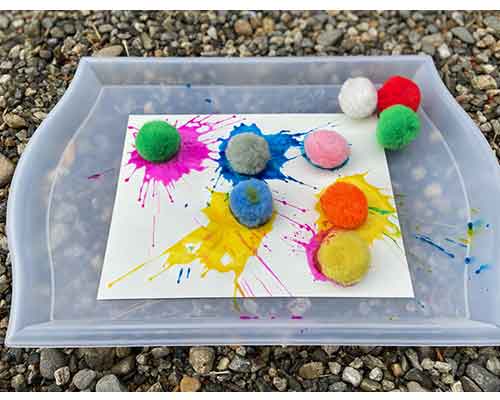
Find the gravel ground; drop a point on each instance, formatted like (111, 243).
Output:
(39, 53)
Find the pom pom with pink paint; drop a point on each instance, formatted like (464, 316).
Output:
(326, 149)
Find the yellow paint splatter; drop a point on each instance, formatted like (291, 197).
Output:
(223, 245)
(378, 223)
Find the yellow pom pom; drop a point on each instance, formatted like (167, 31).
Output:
(343, 257)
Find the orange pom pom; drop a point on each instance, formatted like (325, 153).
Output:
(345, 205)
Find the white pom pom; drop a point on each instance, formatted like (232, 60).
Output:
(358, 98)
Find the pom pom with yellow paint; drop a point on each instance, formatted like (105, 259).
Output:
(343, 257)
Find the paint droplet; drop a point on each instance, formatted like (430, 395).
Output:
(483, 267)
(209, 101)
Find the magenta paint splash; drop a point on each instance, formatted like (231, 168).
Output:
(192, 156)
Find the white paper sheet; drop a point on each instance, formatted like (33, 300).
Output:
(151, 215)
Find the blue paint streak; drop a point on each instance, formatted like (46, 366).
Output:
(455, 242)
(428, 240)
(209, 101)
(180, 275)
(469, 260)
(279, 144)
(483, 267)
(188, 273)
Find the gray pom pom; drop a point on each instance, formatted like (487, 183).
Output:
(248, 153)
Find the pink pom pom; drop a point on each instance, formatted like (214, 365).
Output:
(326, 149)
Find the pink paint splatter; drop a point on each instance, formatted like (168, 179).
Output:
(191, 156)
(296, 317)
(247, 317)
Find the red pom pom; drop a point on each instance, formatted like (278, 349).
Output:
(398, 90)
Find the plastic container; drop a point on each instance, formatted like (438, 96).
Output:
(58, 218)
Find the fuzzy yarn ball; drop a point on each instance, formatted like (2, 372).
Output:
(358, 98)
(251, 203)
(398, 90)
(397, 126)
(326, 149)
(248, 153)
(345, 205)
(157, 141)
(343, 257)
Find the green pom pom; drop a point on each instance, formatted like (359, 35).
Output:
(157, 141)
(397, 126)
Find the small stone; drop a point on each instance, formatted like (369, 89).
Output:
(444, 51)
(352, 376)
(239, 364)
(18, 383)
(243, 27)
(202, 359)
(156, 387)
(415, 387)
(357, 363)
(62, 376)
(463, 34)
(421, 377)
(435, 40)
(368, 385)
(14, 121)
(457, 387)
(189, 384)
(396, 369)
(109, 383)
(110, 51)
(376, 374)
(493, 22)
(329, 350)
(57, 32)
(84, 378)
(493, 365)
(329, 37)
(484, 82)
(6, 171)
(334, 367)
(212, 33)
(427, 364)
(311, 370)
(124, 366)
(99, 359)
(268, 24)
(338, 387)
(223, 364)
(387, 385)
(50, 361)
(160, 352)
(442, 367)
(485, 379)
(469, 385)
(447, 378)
(141, 359)
(280, 383)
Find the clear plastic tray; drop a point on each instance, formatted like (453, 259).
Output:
(58, 218)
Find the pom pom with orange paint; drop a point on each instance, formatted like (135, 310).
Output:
(345, 205)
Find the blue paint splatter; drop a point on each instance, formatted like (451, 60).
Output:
(474, 226)
(279, 144)
(188, 85)
(180, 275)
(469, 260)
(188, 273)
(208, 100)
(482, 267)
(456, 243)
(428, 240)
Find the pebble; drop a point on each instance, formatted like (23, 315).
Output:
(124, 366)
(469, 385)
(109, 383)
(387, 385)
(6, 171)
(239, 364)
(338, 387)
(442, 367)
(376, 374)
(493, 22)
(493, 365)
(50, 361)
(18, 383)
(463, 34)
(352, 376)
(311, 370)
(189, 384)
(427, 364)
(223, 364)
(484, 82)
(156, 387)
(99, 359)
(84, 378)
(484, 379)
(14, 121)
(457, 387)
(110, 51)
(62, 376)
(160, 352)
(419, 376)
(334, 367)
(415, 387)
(243, 27)
(202, 359)
(368, 385)
(280, 383)
(397, 371)
(329, 37)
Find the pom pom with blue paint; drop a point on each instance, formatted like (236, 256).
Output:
(251, 203)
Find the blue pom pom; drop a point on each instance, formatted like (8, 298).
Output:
(251, 203)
